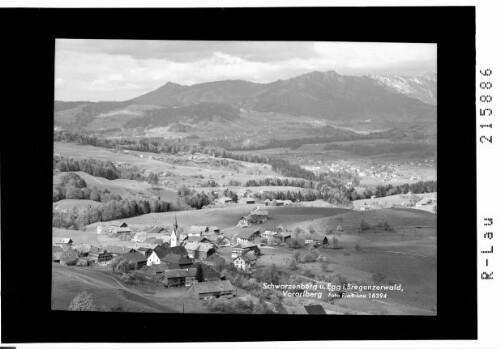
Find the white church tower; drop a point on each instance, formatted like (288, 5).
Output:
(174, 238)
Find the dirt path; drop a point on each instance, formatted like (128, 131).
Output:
(101, 279)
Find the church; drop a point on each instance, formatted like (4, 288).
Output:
(174, 237)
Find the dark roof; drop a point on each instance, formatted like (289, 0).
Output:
(117, 249)
(119, 224)
(156, 230)
(245, 234)
(176, 259)
(212, 286)
(170, 250)
(134, 256)
(177, 273)
(315, 309)
(199, 246)
(197, 238)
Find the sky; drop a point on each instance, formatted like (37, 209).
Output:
(98, 70)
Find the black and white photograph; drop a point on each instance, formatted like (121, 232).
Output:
(245, 177)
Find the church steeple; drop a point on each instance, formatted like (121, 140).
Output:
(173, 236)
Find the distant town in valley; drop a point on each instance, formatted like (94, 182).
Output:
(315, 194)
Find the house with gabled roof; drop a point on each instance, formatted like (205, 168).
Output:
(199, 250)
(316, 239)
(157, 230)
(245, 262)
(136, 257)
(244, 248)
(248, 235)
(197, 230)
(207, 290)
(179, 277)
(63, 242)
(118, 250)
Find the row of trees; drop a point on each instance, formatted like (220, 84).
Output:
(111, 210)
(422, 149)
(72, 186)
(278, 182)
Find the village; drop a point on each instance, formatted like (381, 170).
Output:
(192, 260)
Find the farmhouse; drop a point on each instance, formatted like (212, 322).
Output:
(245, 262)
(99, 256)
(179, 277)
(198, 230)
(119, 225)
(199, 250)
(157, 230)
(283, 236)
(145, 251)
(121, 231)
(175, 259)
(238, 250)
(250, 201)
(63, 242)
(118, 250)
(316, 239)
(248, 236)
(255, 217)
(224, 200)
(269, 234)
(222, 240)
(206, 290)
(136, 257)
(196, 239)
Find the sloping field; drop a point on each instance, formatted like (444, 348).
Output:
(67, 282)
(228, 217)
(78, 236)
(396, 217)
(180, 168)
(118, 118)
(126, 188)
(395, 200)
(67, 204)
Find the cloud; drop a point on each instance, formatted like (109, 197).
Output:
(119, 70)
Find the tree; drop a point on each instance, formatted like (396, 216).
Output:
(82, 302)
(295, 243)
(363, 225)
(199, 274)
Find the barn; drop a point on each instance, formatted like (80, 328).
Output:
(207, 290)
